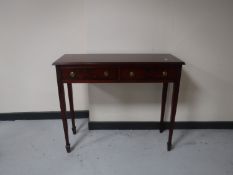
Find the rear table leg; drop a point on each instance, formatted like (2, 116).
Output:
(164, 97)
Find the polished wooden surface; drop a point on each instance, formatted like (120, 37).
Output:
(118, 68)
(78, 59)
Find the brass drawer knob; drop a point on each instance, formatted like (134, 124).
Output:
(72, 74)
(106, 73)
(131, 74)
(164, 73)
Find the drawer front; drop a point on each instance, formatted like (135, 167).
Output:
(89, 74)
(161, 73)
(132, 74)
(147, 74)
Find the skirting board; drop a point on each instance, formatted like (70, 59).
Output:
(115, 125)
(40, 115)
(155, 125)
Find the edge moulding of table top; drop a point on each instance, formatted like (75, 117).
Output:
(118, 68)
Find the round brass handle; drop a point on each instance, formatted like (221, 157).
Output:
(164, 73)
(72, 74)
(131, 74)
(106, 73)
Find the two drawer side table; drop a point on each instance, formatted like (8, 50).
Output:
(118, 68)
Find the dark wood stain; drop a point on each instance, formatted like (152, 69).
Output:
(118, 68)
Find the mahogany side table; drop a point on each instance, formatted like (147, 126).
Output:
(118, 68)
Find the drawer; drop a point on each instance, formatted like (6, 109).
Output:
(132, 74)
(146, 73)
(89, 73)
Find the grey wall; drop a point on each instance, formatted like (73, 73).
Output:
(34, 33)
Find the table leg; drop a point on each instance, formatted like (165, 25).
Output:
(164, 97)
(175, 94)
(70, 94)
(61, 93)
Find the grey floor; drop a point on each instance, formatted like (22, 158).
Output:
(37, 147)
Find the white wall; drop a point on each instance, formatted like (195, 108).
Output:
(34, 33)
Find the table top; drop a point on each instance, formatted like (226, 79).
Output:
(77, 59)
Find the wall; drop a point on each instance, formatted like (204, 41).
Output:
(34, 33)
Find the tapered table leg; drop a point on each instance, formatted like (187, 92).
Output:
(175, 94)
(61, 93)
(70, 94)
(164, 97)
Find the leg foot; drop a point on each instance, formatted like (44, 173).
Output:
(74, 130)
(169, 146)
(68, 148)
(161, 128)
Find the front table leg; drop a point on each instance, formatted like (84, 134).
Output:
(173, 112)
(63, 113)
(70, 94)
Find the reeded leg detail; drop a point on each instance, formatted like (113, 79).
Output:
(70, 94)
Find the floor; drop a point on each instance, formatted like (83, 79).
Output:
(37, 147)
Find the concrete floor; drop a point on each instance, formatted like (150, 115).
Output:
(37, 147)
